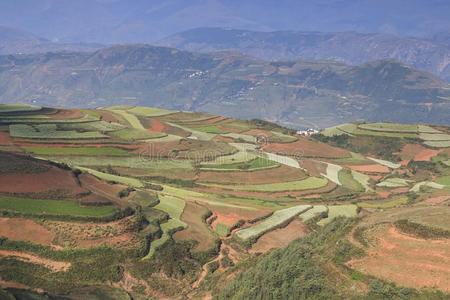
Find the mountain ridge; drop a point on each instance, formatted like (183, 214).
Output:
(298, 94)
(348, 47)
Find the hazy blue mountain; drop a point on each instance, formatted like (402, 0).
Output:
(120, 21)
(348, 47)
(14, 41)
(298, 93)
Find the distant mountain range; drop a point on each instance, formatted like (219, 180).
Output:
(143, 21)
(297, 94)
(432, 55)
(14, 41)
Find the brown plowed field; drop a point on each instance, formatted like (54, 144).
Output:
(406, 260)
(374, 168)
(5, 139)
(306, 148)
(266, 195)
(197, 230)
(20, 229)
(66, 114)
(103, 189)
(53, 179)
(280, 174)
(280, 238)
(417, 152)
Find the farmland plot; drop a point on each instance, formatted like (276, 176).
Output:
(309, 183)
(416, 188)
(313, 212)
(50, 131)
(394, 182)
(334, 211)
(174, 206)
(385, 163)
(279, 218)
(333, 173)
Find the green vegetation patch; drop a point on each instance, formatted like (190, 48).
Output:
(313, 212)
(149, 111)
(385, 204)
(114, 178)
(53, 207)
(173, 206)
(309, 183)
(136, 134)
(88, 151)
(444, 180)
(334, 211)
(347, 180)
(394, 182)
(50, 131)
(255, 164)
(222, 230)
(10, 108)
(277, 219)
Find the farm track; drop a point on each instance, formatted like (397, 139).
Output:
(55, 266)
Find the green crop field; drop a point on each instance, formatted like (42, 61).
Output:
(136, 134)
(50, 131)
(333, 173)
(10, 108)
(386, 163)
(334, 211)
(174, 206)
(76, 151)
(222, 230)
(101, 126)
(279, 218)
(254, 164)
(394, 182)
(313, 212)
(309, 183)
(115, 178)
(137, 162)
(444, 180)
(53, 207)
(385, 204)
(149, 111)
(208, 129)
(347, 180)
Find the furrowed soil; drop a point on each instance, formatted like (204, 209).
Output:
(53, 179)
(273, 175)
(197, 230)
(280, 238)
(306, 148)
(20, 229)
(375, 168)
(406, 260)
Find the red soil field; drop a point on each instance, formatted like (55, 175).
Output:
(52, 180)
(280, 238)
(19, 229)
(314, 168)
(226, 219)
(375, 168)
(406, 260)
(417, 152)
(224, 139)
(266, 195)
(280, 174)
(103, 189)
(108, 116)
(258, 132)
(156, 125)
(86, 235)
(306, 148)
(436, 200)
(5, 139)
(65, 114)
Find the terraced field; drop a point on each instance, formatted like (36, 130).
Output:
(166, 204)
